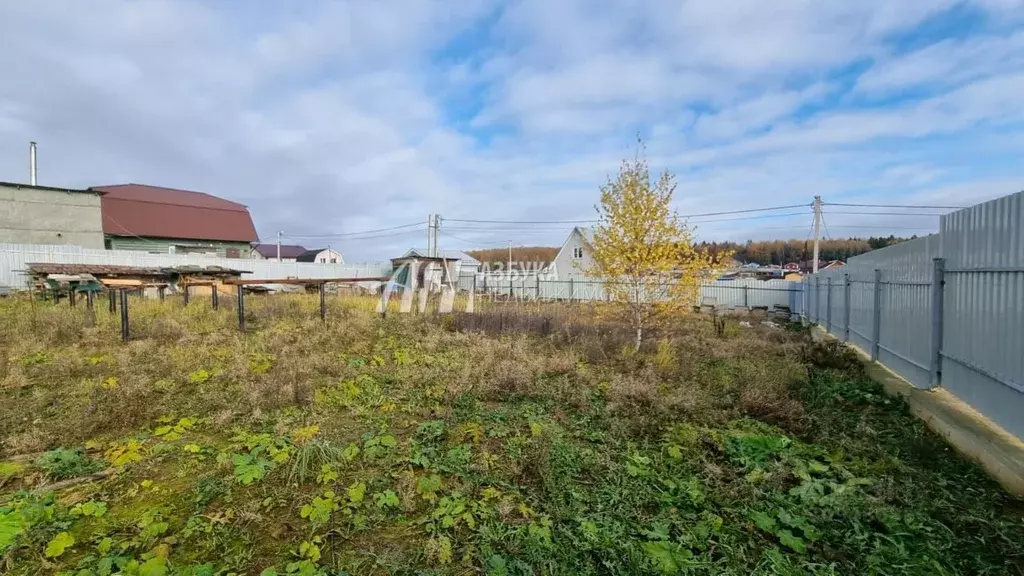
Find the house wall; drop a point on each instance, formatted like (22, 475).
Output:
(254, 255)
(33, 215)
(162, 246)
(568, 267)
(324, 257)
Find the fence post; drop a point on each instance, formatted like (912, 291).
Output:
(536, 289)
(323, 302)
(124, 315)
(241, 308)
(112, 305)
(746, 297)
(71, 296)
(876, 312)
(185, 293)
(828, 305)
(88, 299)
(161, 291)
(571, 296)
(846, 307)
(214, 297)
(938, 288)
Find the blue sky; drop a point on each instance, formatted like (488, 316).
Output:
(334, 117)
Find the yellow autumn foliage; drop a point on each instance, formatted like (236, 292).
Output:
(642, 249)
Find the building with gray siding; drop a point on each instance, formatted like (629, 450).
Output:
(50, 215)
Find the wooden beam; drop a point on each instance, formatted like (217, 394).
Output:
(305, 281)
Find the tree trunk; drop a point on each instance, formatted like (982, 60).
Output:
(639, 336)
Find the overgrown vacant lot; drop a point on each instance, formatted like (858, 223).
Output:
(413, 445)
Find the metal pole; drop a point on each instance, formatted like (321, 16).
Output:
(817, 231)
(817, 300)
(124, 315)
(876, 312)
(938, 288)
(214, 297)
(32, 163)
(323, 302)
(430, 226)
(846, 307)
(828, 305)
(112, 307)
(241, 308)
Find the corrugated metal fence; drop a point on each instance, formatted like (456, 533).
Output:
(14, 259)
(947, 309)
(741, 293)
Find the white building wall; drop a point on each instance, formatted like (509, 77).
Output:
(566, 265)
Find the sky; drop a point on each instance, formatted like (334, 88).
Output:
(333, 118)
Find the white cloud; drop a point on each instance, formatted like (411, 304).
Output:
(340, 116)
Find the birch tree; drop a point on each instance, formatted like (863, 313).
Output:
(643, 250)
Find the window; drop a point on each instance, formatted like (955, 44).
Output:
(334, 260)
(577, 253)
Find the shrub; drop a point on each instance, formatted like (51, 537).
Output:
(67, 463)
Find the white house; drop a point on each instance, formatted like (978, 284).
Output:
(321, 256)
(576, 255)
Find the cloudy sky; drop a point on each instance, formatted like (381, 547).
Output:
(328, 118)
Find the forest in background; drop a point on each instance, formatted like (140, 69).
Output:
(762, 252)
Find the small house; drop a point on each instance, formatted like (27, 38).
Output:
(576, 255)
(288, 252)
(321, 256)
(167, 220)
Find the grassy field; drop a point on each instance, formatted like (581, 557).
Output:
(532, 442)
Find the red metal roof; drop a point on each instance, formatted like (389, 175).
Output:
(139, 210)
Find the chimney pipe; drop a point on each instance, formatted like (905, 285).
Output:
(32, 163)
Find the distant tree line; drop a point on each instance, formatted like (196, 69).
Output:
(780, 252)
(497, 257)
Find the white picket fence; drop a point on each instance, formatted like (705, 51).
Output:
(14, 260)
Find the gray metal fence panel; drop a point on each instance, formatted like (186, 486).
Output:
(979, 330)
(983, 309)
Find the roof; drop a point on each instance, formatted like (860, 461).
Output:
(447, 254)
(51, 188)
(153, 211)
(287, 250)
(309, 255)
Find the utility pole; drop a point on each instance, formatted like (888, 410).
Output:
(430, 235)
(817, 230)
(437, 227)
(279, 246)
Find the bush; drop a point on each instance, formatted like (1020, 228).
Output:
(65, 463)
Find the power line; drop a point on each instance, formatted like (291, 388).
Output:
(895, 206)
(443, 233)
(744, 211)
(343, 234)
(520, 221)
(349, 239)
(888, 213)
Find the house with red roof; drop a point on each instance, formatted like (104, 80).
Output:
(168, 220)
